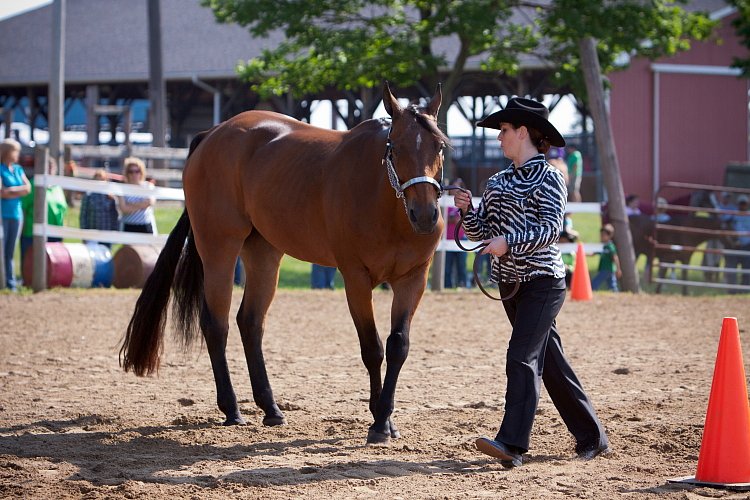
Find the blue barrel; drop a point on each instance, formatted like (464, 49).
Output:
(101, 256)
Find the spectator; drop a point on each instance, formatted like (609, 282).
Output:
(740, 222)
(322, 277)
(57, 207)
(137, 211)
(560, 165)
(455, 262)
(568, 235)
(609, 263)
(574, 160)
(99, 210)
(13, 186)
(661, 216)
(713, 257)
(632, 205)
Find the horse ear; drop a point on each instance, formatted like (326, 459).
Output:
(392, 107)
(436, 100)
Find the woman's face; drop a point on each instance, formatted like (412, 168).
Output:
(12, 157)
(133, 173)
(510, 142)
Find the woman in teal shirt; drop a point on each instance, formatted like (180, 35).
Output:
(14, 186)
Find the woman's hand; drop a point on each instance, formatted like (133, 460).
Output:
(462, 200)
(496, 246)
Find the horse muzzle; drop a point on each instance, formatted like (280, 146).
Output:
(424, 218)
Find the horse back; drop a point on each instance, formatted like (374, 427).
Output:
(313, 193)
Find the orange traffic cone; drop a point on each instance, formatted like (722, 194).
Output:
(580, 285)
(724, 459)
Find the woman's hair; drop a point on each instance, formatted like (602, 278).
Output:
(132, 160)
(540, 142)
(7, 146)
(100, 174)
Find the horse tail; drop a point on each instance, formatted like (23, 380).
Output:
(142, 345)
(178, 270)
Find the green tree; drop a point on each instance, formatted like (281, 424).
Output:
(356, 44)
(742, 27)
(622, 28)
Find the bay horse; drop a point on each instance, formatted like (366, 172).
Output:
(261, 185)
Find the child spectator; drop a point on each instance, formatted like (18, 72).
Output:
(662, 217)
(741, 223)
(99, 210)
(609, 263)
(632, 205)
(455, 262)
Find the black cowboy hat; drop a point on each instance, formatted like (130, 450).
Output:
(521, 111)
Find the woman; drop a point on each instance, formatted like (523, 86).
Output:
(13, 186)
(521, 216)
(137, 214)
(99, 210)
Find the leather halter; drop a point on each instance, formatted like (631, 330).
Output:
(479, 248)
(393, 177)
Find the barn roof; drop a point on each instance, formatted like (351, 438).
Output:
(107, 41)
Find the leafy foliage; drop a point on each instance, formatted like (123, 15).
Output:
(742, 27)
(356, 44)
(623, 28)
(353, 44)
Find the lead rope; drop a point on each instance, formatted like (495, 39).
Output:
(479, 247)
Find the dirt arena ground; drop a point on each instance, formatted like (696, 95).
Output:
(73, 425)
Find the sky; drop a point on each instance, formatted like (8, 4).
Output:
(12, 7)
(563, 116)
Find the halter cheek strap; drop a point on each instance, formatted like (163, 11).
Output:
(393, 177)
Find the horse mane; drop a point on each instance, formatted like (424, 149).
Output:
(430, 124)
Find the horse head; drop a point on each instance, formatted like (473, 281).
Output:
(415, 153)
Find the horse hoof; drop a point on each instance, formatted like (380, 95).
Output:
(375, 437)
(274, 421)
(395, 434)
(234, 421)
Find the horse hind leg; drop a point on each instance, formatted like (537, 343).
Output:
(218, 267)
(261, 262)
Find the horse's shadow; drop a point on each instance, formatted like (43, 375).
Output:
(145, 454)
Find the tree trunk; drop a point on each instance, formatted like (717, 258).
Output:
(608, 158)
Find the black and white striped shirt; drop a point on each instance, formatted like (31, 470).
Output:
(525, 204)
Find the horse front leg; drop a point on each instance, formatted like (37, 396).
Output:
(359, 299)
(407, 292)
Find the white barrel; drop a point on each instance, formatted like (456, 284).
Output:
(83, 265)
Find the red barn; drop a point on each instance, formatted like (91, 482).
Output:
(682, 118)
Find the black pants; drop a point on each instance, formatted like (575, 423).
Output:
(137, 228)
(535, 354)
